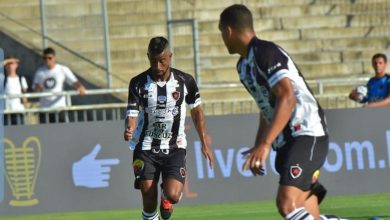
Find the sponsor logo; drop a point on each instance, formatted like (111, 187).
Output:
(161, 98)
(272, 68)
(158, 135)
(138, 166)
(183, 172)
(163, 112)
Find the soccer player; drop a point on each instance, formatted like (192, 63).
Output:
(155, 122)
(291, 120)
(378, 87)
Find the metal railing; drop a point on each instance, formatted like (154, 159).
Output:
(116, 111)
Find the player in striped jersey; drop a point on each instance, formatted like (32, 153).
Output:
(155, 122)
(291, 120)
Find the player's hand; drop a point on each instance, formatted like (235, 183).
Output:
(354, 95)
(208, 154)
(255, 159)
(128, 134)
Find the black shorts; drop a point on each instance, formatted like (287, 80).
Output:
(298, 159)
(149, 164)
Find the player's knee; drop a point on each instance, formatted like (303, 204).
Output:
(286, 204)
(173, 196)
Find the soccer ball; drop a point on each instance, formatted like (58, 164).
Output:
(362, 91)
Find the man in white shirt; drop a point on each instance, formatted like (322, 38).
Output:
(51, 78)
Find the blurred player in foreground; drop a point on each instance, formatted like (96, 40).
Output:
(157, 102)
(377, 91)
(291, 120)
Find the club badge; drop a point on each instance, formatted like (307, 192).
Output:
(176, 95)
(295, 171)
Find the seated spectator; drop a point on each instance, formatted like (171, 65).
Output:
(51, 77)
(378, 87)
(14, 85)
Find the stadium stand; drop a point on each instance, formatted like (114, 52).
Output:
(326, 38)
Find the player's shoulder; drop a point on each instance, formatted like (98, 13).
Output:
(264, 46)
(182, 76)
(141, 77)
(387, 77)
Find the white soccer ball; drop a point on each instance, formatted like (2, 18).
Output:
(362, 91)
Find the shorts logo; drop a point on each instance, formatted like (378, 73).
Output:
(316, 176)
(183, 172)
(295, 171)
(138, 166)
(176, 95)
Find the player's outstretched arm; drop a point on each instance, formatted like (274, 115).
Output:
(200, 124)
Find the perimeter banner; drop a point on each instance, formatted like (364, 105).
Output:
(87, 166)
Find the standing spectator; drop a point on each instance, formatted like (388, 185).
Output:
(51, 78)
(14, 85)
(378, 87)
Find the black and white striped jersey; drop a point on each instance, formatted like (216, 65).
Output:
(160, 108)
(263, 67)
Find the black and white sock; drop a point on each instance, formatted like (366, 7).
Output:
(150, 216)
(299, 214)
(329, 217)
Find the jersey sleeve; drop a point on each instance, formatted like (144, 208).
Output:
(193, 96)
(275, 64)
(70, 78)
(24, 83)
(37, 79)
(133, 100)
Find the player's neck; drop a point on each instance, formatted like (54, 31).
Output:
(162, 78)
(379, 75)
(245, 41)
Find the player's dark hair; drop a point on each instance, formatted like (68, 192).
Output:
(48, 51)
(157, 45)
(237, 16)
(379, 55)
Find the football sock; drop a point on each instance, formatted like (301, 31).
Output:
(299, 214)
(329, 217)
(150, 216)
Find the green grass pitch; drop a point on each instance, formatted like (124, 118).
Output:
(350, 207)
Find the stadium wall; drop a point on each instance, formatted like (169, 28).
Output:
(87, 166)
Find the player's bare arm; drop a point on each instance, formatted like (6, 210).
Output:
(381, 103)
(200, 124)
(130, 124)
(285, 102)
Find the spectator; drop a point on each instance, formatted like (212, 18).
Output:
(51, 78)
(378, 87)
(14, 85)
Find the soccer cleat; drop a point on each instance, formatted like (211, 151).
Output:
(166, 208)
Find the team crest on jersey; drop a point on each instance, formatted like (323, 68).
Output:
(295, 171)
(176, 95)
(183, 172)
(138, 166)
